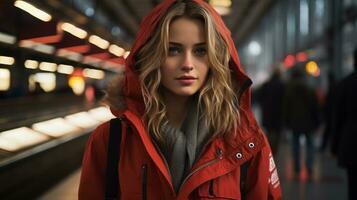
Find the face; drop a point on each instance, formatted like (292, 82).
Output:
(185, 68)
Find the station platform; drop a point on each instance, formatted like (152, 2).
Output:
(42, 139)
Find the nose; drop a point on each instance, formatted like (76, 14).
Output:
(187, 63)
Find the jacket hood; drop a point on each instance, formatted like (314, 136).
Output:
(131, 91)
(131, 86)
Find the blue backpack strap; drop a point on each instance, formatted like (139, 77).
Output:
(113, 156)
(243, 178)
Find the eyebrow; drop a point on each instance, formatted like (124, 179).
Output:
(179, 44)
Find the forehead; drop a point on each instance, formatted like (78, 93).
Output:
(185, 30)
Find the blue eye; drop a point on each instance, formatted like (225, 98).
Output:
(174, 51)
(200, 51)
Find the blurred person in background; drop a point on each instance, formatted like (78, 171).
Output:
(187, 124)
(270, 98)
(301, 116)
(327, 112)
(344, 127)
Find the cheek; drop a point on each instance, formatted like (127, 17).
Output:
(167, 67)
(164, 67)
(204, 72)
(204, 67)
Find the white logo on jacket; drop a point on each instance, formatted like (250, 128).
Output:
(274, 178)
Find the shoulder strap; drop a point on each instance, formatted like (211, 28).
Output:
(243, 178)
(112, 174)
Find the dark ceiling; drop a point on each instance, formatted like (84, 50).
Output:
(127, 14)
(244, 16)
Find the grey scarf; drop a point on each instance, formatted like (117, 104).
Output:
(184, 144)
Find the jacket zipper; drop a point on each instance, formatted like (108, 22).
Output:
(144, 181)
(219, 157)
(218, 154)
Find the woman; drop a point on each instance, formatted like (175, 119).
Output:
(187, 125)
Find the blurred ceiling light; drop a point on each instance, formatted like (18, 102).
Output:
(43, 77)
(6, 60)
(32, 83)
(15, 139)
(98, 41)
(74, 30)
(48, 66)
(71, 55)
(223, 3)
(116, 50)
(83, 120)
(223, 7)
(31, 64)
(301, 57)
(89, 12)
(65, 69)
(289, 61)
(222, 10)
(304, 17)
(7, 38)
(126, 54)
(47, 80)
(102, 114)
(312, 68)
(77, 84)
(55, 127)
(4, 79)
(254, 48)
(116, 31)
(32, 10)
(44, 48)
(93, 73)
(92, 60)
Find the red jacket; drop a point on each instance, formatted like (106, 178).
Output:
(215, 175)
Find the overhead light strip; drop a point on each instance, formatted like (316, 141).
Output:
(65, 69)
(98, 41)
(93, 73)
(32, 10)
(6, 60)
(116, 50)
(74, 30)
(31, 64)
(48, 66)
(7, 38)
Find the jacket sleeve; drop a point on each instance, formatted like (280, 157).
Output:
(262, 179)
(94, 163)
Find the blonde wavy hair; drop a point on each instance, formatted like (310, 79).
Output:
(217, 99)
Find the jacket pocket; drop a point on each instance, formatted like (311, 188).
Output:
(220, 188)
(144, 172)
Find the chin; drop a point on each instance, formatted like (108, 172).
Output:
(181, 91)
(186, 93)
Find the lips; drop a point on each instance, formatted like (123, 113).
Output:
(186, 80)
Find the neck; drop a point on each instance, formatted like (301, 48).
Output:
(176, 107)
